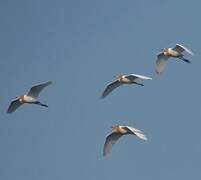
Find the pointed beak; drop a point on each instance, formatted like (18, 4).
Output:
(112, 127)
(17, 98)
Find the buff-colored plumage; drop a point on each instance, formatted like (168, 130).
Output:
(117, 132)
(166, 53)
(31, 97)
(123, 79)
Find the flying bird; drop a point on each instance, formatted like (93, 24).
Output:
(166, 53)
(30, 98)
(123, 79)
(117, 132)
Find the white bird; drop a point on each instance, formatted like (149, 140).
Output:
(123, 79)
(30, 98)
(175, 52)
(117, 132)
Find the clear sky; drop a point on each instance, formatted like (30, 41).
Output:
(80, 45)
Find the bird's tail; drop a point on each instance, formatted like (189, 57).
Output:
(185, 60)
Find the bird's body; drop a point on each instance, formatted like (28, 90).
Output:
(123, 79)
(117, 132)
(171, 53)
(175, 52)
(30, 98)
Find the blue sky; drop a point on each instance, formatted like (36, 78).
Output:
(80, 45)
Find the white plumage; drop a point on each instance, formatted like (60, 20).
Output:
(117, 132)
(31, 97)
(123, 79)
(166, 53)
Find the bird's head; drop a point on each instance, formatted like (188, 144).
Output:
(113, 127)
(118, 77)
(164, 50)
(19, 98)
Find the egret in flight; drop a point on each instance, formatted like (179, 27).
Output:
(166, 53)
(30, 98)
(123, 79)
(117, 132)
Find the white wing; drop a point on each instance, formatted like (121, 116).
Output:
(137, 132)
(110, 87)
(137, 76)
(111, 139)
(13, 106)
(161, 62)
(179, 48)
(35, 90)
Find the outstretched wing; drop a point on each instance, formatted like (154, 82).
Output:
(133, 77)
(161, 62)
(110, 87)
(179, 48)
(136, 132)
(111, 139)
(35, 90)
(13, 106)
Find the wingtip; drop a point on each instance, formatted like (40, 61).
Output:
(9, 111)
(192, 53)
(149, 78)
(141, 136)
(103, 96)
(145, 138)
(49, 82)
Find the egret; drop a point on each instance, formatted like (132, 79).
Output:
(117, 132)
(30, 98)
(166, 53)
(123, 79)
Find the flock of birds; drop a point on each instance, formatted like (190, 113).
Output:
(117, 130)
